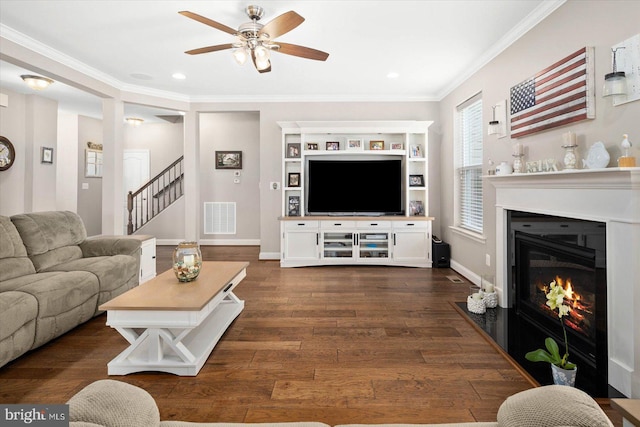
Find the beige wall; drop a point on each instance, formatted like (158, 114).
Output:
(12, 181)
(29, 122)
(89, 199)
(574, 25)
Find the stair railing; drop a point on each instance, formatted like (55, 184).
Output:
(155, 196)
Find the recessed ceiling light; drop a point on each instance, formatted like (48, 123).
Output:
(179, 76)
(393, 75)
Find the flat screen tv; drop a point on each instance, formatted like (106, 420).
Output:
(354, 187)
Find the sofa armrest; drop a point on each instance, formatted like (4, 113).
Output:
(111, 245)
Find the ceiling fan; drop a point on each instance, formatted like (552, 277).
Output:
(257, 40)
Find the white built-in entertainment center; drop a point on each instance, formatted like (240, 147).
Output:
(355, 193)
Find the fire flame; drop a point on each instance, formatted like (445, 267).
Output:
(572, 297)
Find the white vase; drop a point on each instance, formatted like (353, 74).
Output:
(564, 376)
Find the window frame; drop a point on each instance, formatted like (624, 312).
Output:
(469, 213)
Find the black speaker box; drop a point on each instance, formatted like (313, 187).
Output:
(441, 255)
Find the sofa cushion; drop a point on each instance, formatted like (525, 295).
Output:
(51, 237)
(18, 311)
(113, 403)
(14, 261)
(65, 300)
(551, 406)
(112, 272)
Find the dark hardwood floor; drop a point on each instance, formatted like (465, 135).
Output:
(333, 344)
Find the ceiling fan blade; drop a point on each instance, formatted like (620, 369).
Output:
(209, 49)
(209, 22)
(301, 51)
(264, 70)
(282, 24)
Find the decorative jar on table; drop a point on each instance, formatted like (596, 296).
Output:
(187, 261)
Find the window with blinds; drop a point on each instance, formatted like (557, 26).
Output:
(469, 164)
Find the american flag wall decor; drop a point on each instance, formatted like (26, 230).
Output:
(560, 94)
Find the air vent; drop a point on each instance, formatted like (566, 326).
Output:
(219, 218)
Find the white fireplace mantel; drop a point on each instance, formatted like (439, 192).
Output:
(612, 196)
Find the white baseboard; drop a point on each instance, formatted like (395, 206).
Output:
(213, 242)
(468, 274)
(266, 256)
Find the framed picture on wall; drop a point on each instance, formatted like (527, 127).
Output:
(228, 159)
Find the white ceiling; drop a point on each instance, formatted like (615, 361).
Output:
(432, 45)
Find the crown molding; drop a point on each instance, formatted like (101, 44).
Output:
(536, 16)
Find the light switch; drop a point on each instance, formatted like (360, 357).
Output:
(85, 185)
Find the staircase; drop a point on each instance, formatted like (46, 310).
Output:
(155, 196)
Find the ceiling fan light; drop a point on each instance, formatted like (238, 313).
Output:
(262, 63)
(36, 82)
(240, 56)
(261, 52)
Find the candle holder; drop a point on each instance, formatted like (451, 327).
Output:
(570, 160)
(475, 301)
(187, 261)
(518, 163)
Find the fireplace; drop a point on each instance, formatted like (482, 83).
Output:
(572, 254)
(610, 197)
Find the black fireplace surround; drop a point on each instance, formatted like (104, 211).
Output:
(571, 252)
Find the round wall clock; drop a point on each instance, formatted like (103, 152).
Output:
(7, 154)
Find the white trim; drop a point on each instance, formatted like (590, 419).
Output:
(214, 242)
(534, 18)
(268, 256)
(479, 238)
(468, 274)
(545, 9)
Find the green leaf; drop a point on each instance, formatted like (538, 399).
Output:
(539, 355)
(552, 346)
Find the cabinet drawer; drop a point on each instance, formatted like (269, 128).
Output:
(332, 225)
(374, 224)
(300, 225)
(415, 225)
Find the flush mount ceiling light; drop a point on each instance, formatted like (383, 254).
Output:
(615, 83)
(134, 121)
(256, 41)
(36, 82)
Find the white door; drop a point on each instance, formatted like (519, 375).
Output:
(136, 174)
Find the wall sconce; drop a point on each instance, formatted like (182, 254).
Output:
(498, 123)
(615, 83)
(36, 82)
(134, 121)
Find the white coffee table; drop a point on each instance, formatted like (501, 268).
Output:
(172, 326)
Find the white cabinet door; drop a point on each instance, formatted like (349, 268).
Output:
(300, 240)
(148, 260)
(412, 241)
(411, 245)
